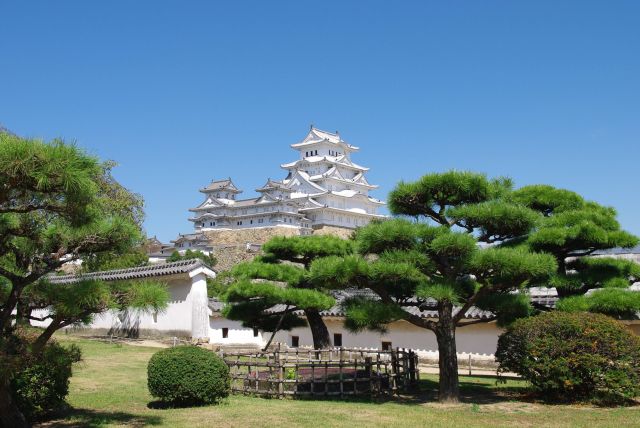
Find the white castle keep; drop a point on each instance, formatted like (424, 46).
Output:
(322, 188)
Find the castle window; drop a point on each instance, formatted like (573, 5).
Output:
(250, 221)
(295, 341)
(316, 152)
(386, 346)
(255, 332)
(337, 339)
(225, 332)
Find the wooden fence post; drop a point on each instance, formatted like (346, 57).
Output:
(313, 378)
(412, 369)
(368, 372)
(355, 377)
(281, 380)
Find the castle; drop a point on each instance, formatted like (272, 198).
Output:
(323, 187)
(324, 192)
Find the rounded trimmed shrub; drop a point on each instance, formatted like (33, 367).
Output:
(188, 375)
(573, 356)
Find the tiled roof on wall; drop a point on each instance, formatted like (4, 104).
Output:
(163, 269)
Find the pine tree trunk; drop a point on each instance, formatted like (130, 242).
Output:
(273, 334)
(10, 415)
(449, 391)
(22, 313)
(319, 329)
(39, 344)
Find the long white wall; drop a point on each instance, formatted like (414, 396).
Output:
(176, 318)
(476, 339)
(187, 305)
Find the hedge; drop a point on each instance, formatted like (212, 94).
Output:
(188, 375)
(573, 356)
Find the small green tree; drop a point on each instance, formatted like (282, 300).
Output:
(280, 279)
(58, 205)
(209, 259)
(441, 263)
(572, 229)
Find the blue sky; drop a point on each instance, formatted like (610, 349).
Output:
(180, 92)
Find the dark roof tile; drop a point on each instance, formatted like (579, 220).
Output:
(161, 269)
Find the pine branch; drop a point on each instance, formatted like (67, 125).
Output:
(483, 291)
(477, 321)
(23, 209)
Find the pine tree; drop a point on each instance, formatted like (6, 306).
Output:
(441, 262)
(59, 205)
(271, 290)
(572, 229)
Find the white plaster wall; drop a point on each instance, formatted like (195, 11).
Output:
(177, 316)
(340, 219)
(199, 306)
(477, 338)
(268, 219)
(238, 335)
(39, 313)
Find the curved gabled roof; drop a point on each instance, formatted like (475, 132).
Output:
(316, 136)
(217, 185)
(304, 178)
(273, 185)
(339, 161)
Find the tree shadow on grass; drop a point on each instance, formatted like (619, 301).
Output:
(96, 418)
(473, 392)
(164, 405)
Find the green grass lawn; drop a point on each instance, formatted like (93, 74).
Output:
(108, 388)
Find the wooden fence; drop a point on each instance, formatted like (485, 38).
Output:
(327, 372)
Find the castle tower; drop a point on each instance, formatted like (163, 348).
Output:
(336, 187)
(322, 188)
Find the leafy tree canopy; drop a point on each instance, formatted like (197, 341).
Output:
(474, 242)
(59, 205)
(209, 259)
(448, 259)
(572, 228)
(271, 291)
